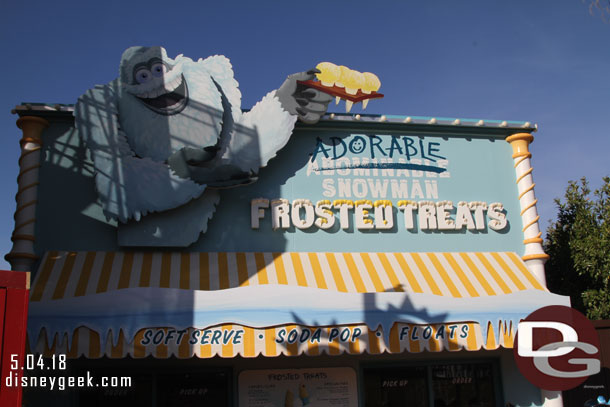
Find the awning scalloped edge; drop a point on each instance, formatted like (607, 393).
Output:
(288, 340)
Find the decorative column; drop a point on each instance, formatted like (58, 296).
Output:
(534, 256)
(22, 255)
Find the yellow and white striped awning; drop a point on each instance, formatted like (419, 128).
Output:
(459, 275)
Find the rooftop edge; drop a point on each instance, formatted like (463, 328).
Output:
(47, 108)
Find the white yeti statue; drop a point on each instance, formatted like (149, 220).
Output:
(168, 132)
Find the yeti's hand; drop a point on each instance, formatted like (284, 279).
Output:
(302, 101)
(193, 164)
(182, 161)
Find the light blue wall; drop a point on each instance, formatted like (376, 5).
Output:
(517, 390)
(481, 169)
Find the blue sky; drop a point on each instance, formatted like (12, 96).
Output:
(542, 61)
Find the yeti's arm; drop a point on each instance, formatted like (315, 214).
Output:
(251, 139)
(264, 130)
(128, 186)
(273, 118)
(260, 134)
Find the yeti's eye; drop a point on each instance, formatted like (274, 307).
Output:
(143, 75)
(158, 69)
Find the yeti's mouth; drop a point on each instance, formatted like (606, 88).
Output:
(168, 99)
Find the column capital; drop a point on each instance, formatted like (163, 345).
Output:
(520, 143)
(32, 127)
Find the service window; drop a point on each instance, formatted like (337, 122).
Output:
(137, 394)
(396, 387)
(463, 385)
(193, 389)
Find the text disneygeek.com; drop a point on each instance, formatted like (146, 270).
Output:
(65, 382)
(23, 373)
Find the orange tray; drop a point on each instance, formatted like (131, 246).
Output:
(337, 91)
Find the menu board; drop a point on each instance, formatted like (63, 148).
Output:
(324, 387)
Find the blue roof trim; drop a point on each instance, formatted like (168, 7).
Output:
(331, 116)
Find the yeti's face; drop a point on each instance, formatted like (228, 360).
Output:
(154, 79)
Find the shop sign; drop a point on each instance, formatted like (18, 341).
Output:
(384, 183)
(178, 163)
(168, 138)
(379, 214)
(304, 335)
(314, 387)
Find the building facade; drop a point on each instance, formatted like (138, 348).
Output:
(374, 261)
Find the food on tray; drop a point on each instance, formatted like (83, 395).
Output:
(347, 84)
(329, 73)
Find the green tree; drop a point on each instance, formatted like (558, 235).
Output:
(599, 7)
(578, 244)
